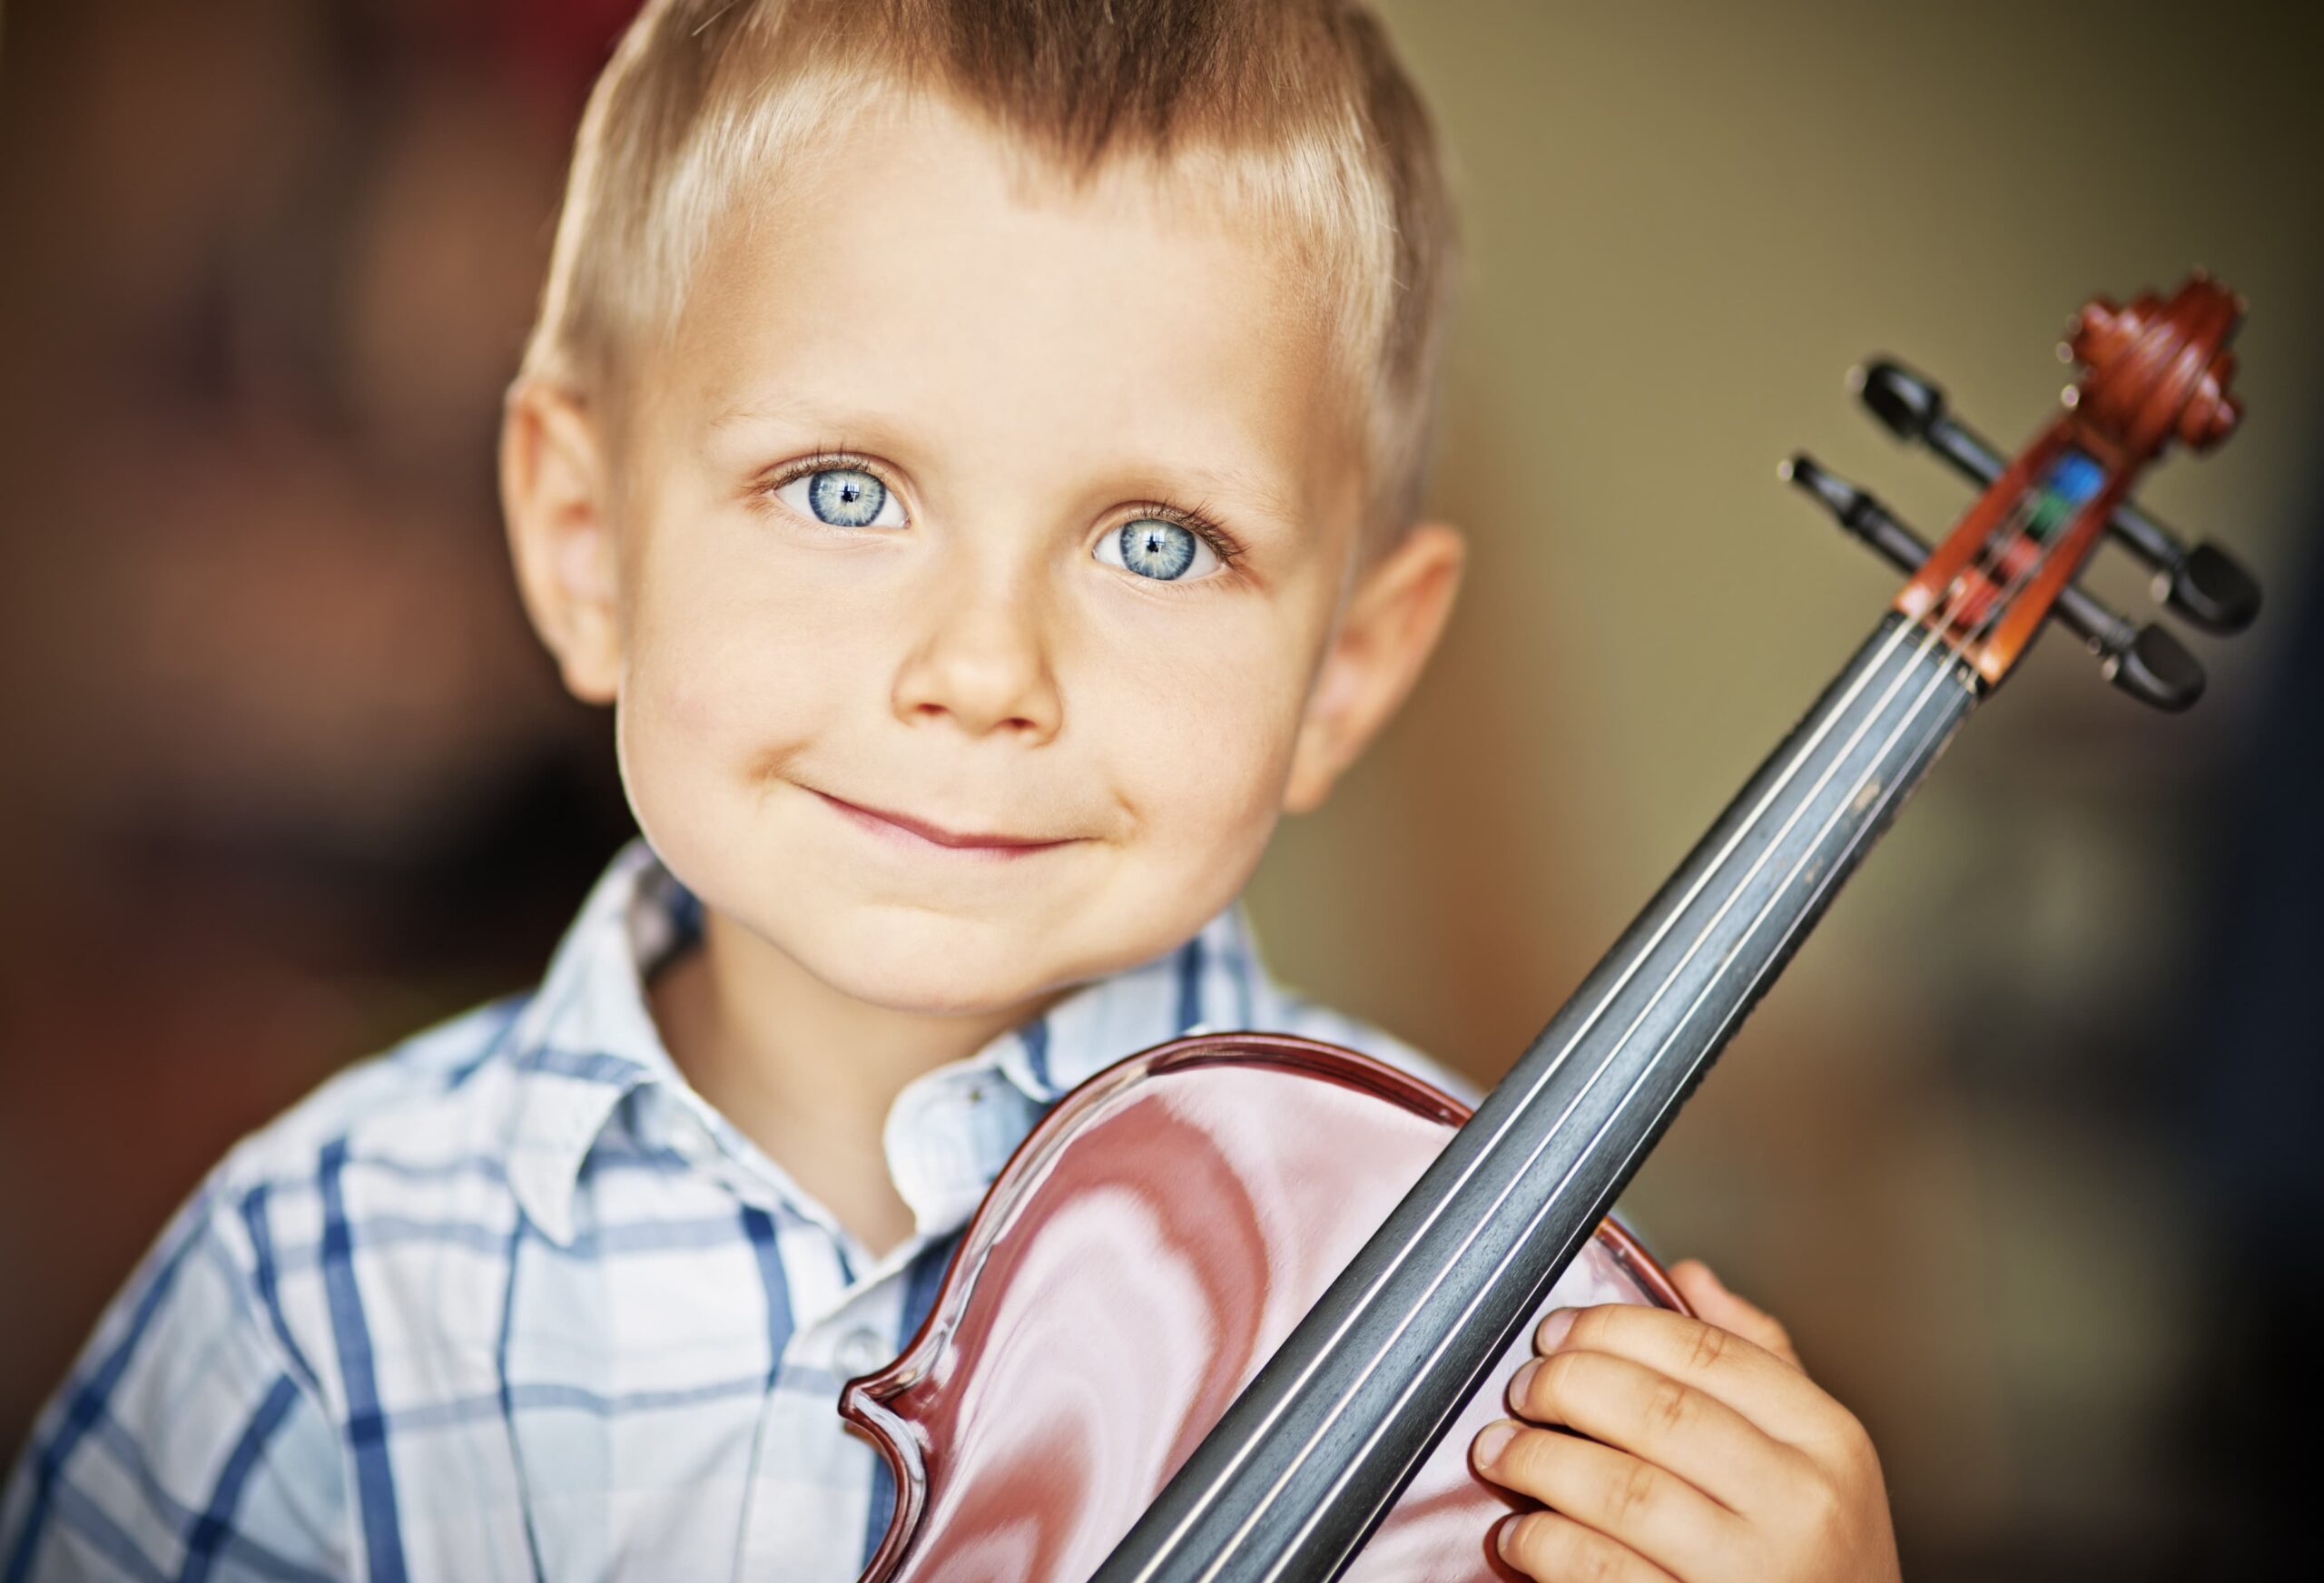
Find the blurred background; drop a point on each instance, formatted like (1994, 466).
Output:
(2021, 1146)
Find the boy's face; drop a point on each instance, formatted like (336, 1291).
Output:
(897, 691)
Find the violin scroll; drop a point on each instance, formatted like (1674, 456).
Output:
(2158, 372)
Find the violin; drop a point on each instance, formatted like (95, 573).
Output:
(1324, 1271)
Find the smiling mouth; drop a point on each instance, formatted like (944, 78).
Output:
(919, 832)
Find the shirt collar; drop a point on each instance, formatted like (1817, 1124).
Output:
(586, 1041)
(1211, 983)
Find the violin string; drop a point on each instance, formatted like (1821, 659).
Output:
(1549, 1134)
(1957, 655)
(1933, 634)
(1637, 962)
(1711, 872)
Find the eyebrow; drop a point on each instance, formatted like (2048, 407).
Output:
(1241, 485)
(771, 405)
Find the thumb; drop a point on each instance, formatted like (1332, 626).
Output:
(1714, 1303)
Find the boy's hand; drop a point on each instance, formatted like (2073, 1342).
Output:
(1711, 1455)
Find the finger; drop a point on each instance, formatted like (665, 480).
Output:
(1545, 1546)
(1707, 1296)
(1662, 1420)
(1661, 1517)
(1753, 1380)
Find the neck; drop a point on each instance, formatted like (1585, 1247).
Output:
(804, 1071)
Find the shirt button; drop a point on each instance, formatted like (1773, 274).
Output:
(860, 1352)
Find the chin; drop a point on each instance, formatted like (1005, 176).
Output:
(934, 965)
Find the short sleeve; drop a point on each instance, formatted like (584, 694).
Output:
(189, 1440)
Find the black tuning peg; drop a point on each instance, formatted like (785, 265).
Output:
(2208, 588)
(2203, 583)
(2146, 662)
(1858, 511)
(2154, 667)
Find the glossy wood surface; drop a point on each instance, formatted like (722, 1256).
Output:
(2157, 371)
(1137, 1261)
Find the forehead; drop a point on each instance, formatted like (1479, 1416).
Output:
(918, 279)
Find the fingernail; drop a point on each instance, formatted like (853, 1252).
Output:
(1492, 1440)
(1522, 1378)
(1552, 1330)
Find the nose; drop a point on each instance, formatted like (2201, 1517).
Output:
(983, 665)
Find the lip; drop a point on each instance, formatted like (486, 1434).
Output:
(884, 822)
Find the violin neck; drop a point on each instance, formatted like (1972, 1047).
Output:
(1308, 1459)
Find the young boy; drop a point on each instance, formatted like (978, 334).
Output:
(974, 445)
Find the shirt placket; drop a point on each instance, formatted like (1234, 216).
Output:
(808, 1496)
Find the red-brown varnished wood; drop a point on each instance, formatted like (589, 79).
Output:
(2157, 371)
(1167, 1225)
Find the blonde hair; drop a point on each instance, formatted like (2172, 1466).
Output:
(1296, 112)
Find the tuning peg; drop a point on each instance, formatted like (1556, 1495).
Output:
(2203, 583)
(1856, 511)
(2154, 667)
(2146, 662)
(2208, 587)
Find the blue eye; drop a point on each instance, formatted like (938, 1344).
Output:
(1163, 551)
(842, 497)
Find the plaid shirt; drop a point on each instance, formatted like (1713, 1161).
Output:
(513, 1302)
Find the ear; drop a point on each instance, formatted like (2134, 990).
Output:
(553, 494)
(1391, 627)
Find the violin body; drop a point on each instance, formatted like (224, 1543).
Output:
(1142, 1255)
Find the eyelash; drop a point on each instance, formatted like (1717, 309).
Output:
(764, 492)
(1228, 549)
(1224, 545)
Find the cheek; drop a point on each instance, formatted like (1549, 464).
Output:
(730, 669)
(1201, 736)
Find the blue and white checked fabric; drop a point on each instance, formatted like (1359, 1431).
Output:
(512, 1300)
